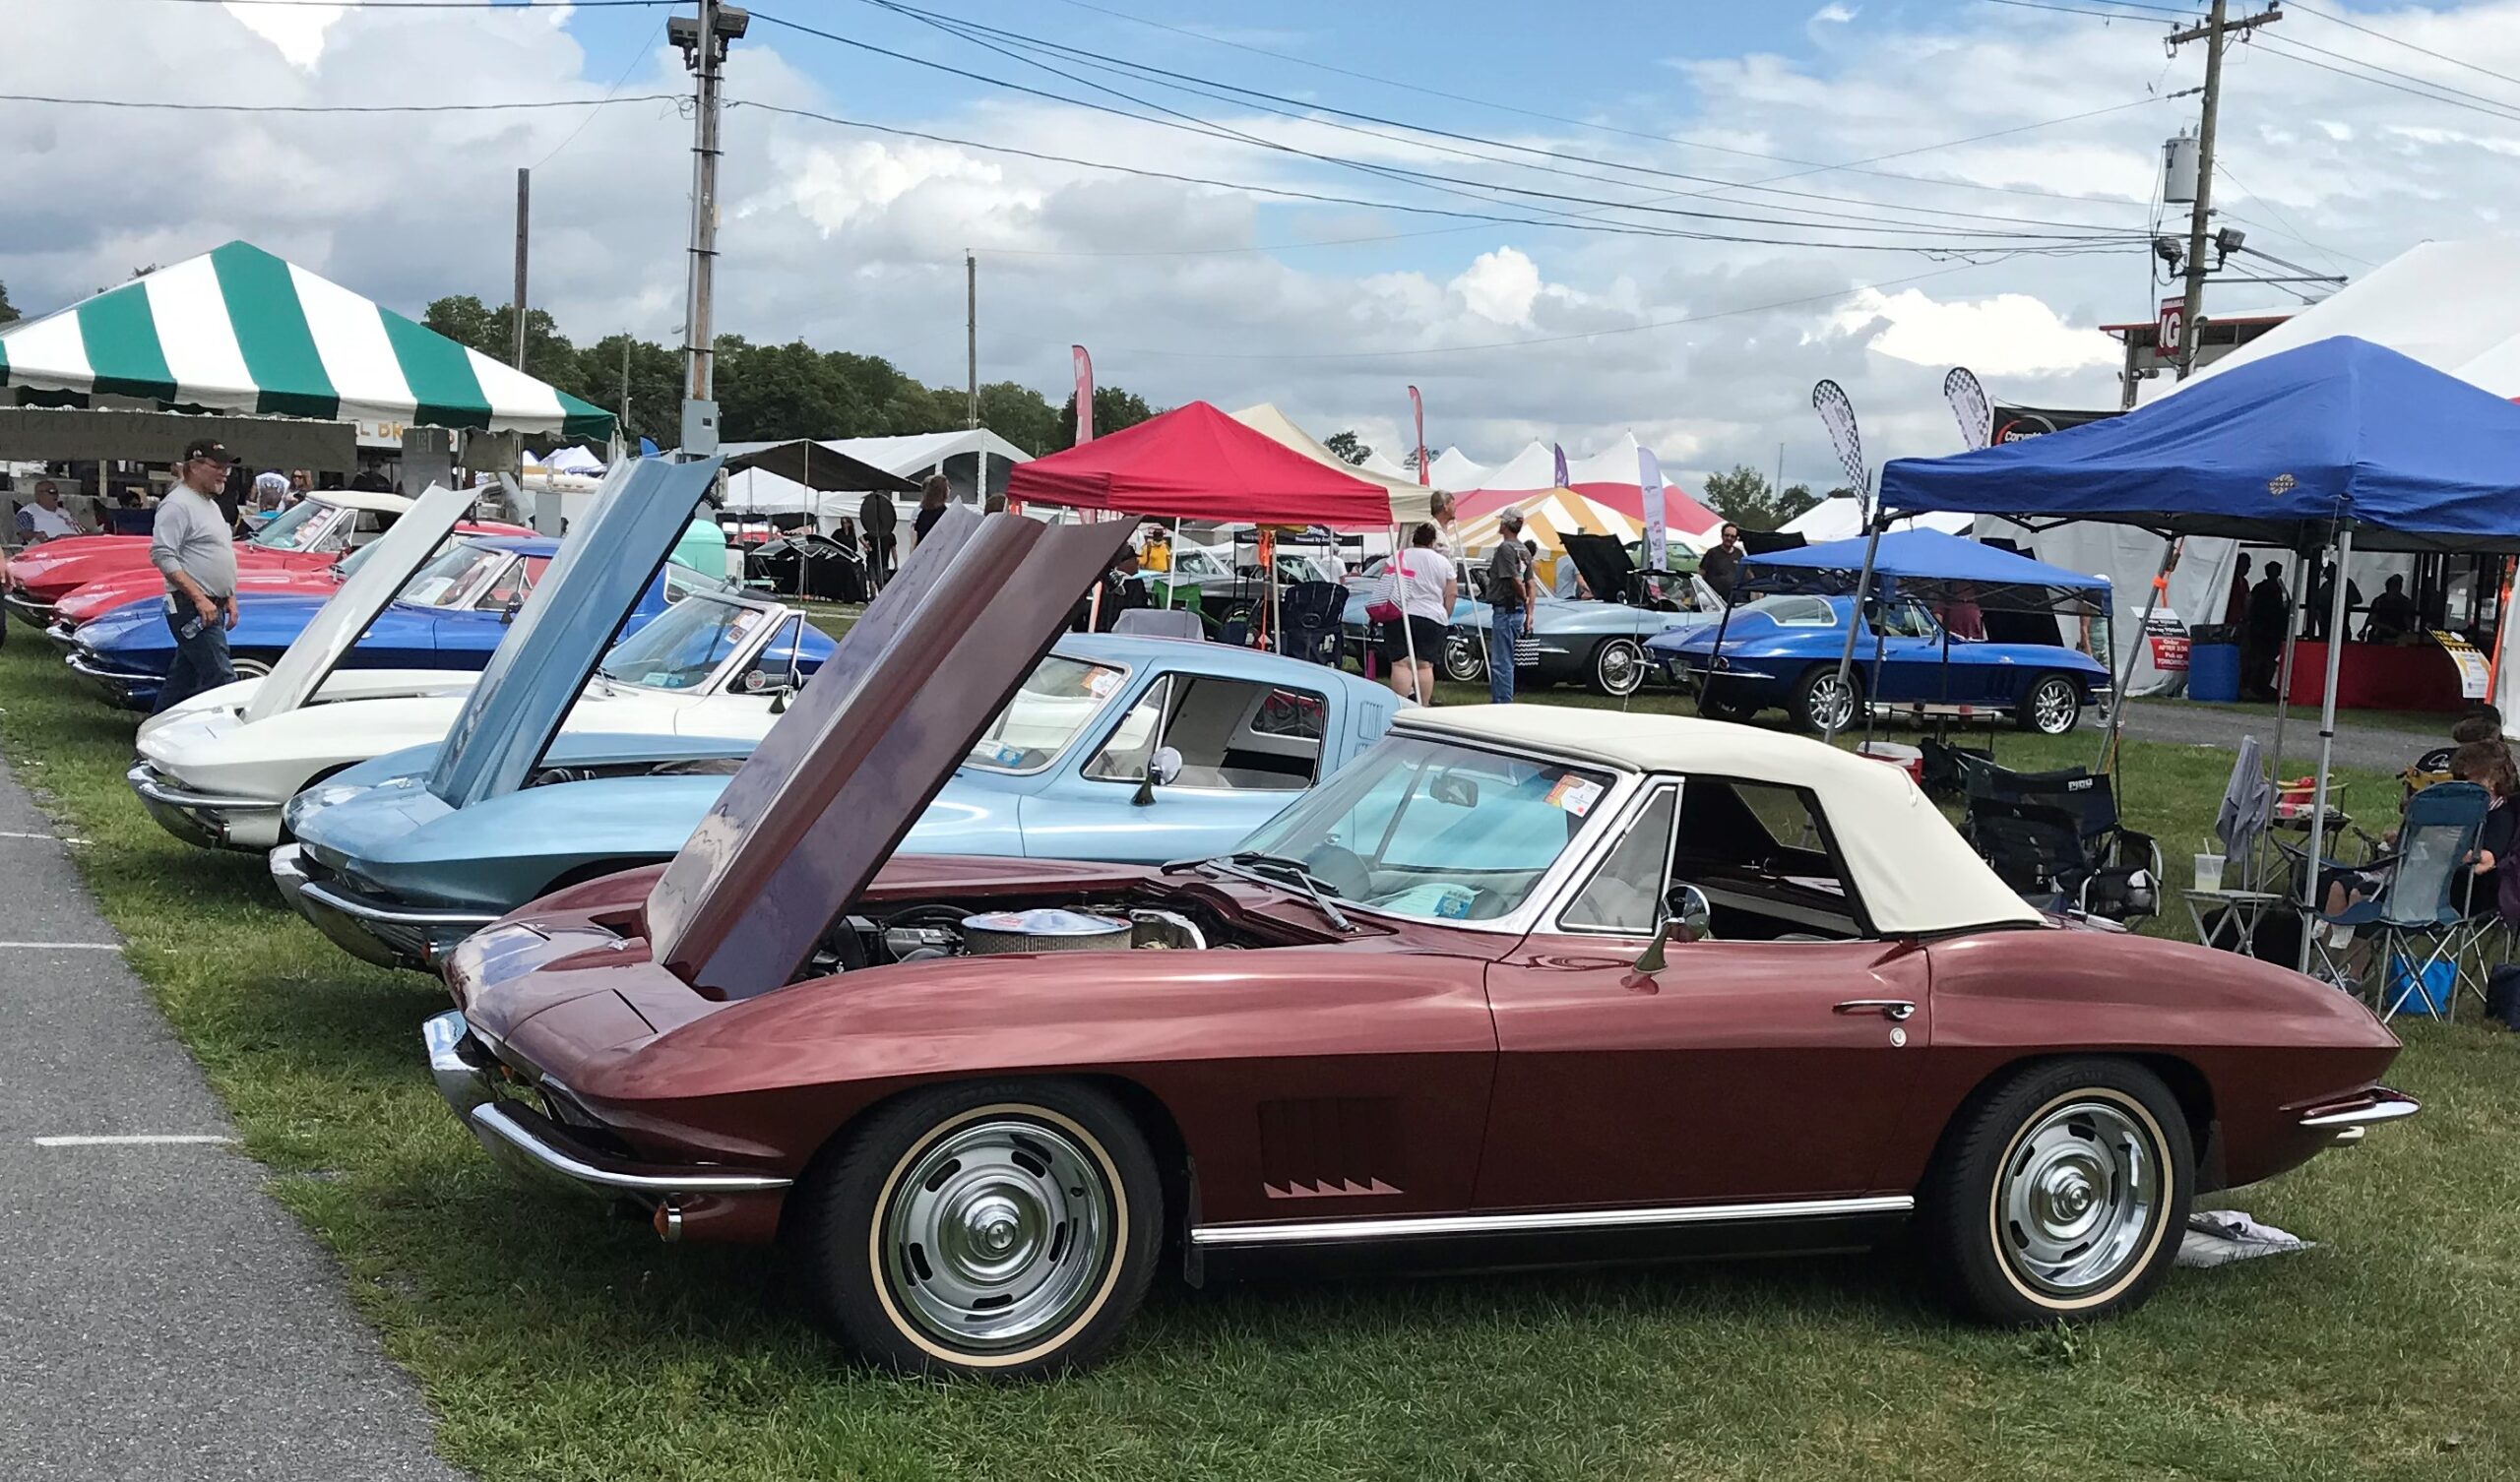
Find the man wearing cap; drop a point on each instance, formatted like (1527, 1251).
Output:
(1509, 604)
(193, 546)
(45, 519)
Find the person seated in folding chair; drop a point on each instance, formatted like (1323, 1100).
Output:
(2353, 898)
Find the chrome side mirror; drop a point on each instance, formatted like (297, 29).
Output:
(1686, 917)
(1162, 767)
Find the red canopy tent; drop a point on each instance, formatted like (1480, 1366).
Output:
(1195, 463)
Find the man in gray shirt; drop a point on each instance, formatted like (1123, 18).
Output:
(1509, 604)
(193, 546)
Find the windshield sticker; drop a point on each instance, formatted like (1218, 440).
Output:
(1575, 794)
(660, 679)
(1101, 682)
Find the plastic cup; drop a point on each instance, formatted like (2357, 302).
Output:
(2209, 872)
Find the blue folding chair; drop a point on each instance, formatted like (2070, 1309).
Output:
(2423, 900)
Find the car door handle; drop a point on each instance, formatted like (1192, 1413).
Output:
(1893, 1009)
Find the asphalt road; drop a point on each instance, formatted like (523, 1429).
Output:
(160, 1316)
(2377, 748)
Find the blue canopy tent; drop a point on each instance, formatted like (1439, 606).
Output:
(1924, 564)
(2337, 443)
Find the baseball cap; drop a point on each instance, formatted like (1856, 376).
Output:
(209, 448)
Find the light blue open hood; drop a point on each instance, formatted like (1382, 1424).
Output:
(607, 559)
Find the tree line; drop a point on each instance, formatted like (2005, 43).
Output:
(771, 392)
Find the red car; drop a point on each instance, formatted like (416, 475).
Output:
(1520, 985)
(104, 595)
(306, 538)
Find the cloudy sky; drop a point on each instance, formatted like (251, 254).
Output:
(1562, 222)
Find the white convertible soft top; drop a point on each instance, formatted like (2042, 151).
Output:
(1908, 864)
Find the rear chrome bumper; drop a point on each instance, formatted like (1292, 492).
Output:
(2346, 1121)
(208, 819)
(131, 689)
(368, 929)
(541, 1151)
(27, 609)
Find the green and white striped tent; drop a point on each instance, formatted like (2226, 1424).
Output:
(237, 330)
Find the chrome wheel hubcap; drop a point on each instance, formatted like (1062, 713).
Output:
(2051, 710)
(2078, 1198)
(1832, 704)
(1461, 663)
(1618, 667)
(998, 1234)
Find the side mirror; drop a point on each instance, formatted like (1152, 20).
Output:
(1160, 768)
(1686, 917)
(516, 604)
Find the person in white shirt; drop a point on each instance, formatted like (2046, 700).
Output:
(271, 490)
(1419, 580)
(45, 519)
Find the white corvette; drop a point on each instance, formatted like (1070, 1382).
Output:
(219, 768)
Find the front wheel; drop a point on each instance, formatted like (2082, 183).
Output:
(2063, 1195)
(251, 669)
(1005, 1229)
(1822, 702)
(1617, 667)
(1464, 662)
(2052, 708)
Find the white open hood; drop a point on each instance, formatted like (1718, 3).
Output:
(389, 562)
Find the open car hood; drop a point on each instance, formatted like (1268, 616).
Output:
(542, 664)
(328, 636)
(836, 785)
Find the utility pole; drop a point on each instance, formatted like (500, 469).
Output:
(524, 213)
(2217, 26)
(972, 328)
(703, 39)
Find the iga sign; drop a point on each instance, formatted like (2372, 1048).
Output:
(2171, 327)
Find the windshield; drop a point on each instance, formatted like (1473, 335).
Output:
(1793, 610)
(1435, 830)
(1056, 702)
(295, 529)
(684, 645)
(455, 577)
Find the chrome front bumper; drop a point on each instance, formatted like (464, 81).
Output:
(27, 609)
(541, 1151)
(128, 688)
(2346, 1122)
(369, 930)
(206, 819)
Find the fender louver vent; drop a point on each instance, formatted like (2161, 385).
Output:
(1329, 1146)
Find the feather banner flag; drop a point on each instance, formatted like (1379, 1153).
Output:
(1417, 409)
(1084, 395)
(1649, 483)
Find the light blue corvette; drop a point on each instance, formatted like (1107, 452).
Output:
(393, 873)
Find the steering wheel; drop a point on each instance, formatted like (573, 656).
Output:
(1341, 869)
(1485, 905)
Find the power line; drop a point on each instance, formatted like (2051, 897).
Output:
(432, 4)
(162, 106)
(2382, 81)
(2105, 15)
(2407, 77)
(1602, 227)
(1448, 183)
(618, 82)
(1284, 107)
(1810, 166)
(1627, 328)
(2336, 20)
(2285, 228)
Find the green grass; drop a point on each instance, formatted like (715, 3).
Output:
(2434, 724)
(554, 1342)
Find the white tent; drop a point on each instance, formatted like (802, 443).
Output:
(1408, 502)
(983, 458)
(1376, 463)
(2455, 306)
(1453, 470)
(1838, 519)
(1535, 468)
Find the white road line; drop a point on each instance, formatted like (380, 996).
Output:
(132, 1139)
(66, 946)
(15, 833)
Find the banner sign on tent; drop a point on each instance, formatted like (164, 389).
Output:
(1837, 413)
(2014, 424)
(1557, 465)
(2474, 678)
(1968, 397)
(1418, 410)
(1649, 482)
(1084, 395)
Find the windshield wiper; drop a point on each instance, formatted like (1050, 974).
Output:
(1297, 875)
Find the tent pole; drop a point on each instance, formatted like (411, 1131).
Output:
(1873, 686)
(1714, 650)
(2328, 742)
(2126, 674)
(1855, 612)
(2284, 670)
(1172, 563)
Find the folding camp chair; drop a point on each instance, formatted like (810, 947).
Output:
(1947, 766)
(1308, 614)
(2115, 872)
(1159, 622)
(2422, 900)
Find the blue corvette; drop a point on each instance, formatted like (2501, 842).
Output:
(1782, 652)
(1120, 748)
(450, 615)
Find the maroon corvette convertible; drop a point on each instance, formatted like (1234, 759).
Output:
(1521, 985)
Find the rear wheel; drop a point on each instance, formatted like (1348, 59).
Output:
(1617, 666)
(250, 668)
(1822, 702)
(2063, 1195)
(1463, 663)
(1715, 707)
(2052, 707)
(1003, 1229)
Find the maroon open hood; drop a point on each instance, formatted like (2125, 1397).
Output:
(836, 784)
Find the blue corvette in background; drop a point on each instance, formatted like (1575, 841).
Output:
(1782, 652)
(1130, 749)
(450, 615)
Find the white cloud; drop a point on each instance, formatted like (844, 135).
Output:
(1833, 14)
(1501, 285)
(2009, 335)
(297, 30)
